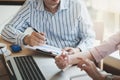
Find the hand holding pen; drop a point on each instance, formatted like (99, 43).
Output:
(35, 39)
(40, 33)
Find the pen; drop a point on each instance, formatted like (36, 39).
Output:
(35, 30)
(40, 33)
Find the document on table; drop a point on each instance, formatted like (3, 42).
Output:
(47, 49)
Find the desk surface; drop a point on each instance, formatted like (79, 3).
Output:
(45, 62)
(4, 75)
(112, 65)
(11, 2)
(24, 51)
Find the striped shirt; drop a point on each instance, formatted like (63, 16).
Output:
(70, 26)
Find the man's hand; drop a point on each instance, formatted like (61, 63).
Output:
(35, 39)
(71, 50)
(90, 68)
(62, 60)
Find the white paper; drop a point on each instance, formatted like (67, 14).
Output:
(4, 50)
(47, 48)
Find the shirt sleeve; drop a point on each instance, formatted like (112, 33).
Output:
(86, 32)
(13, 31)
(106, 48)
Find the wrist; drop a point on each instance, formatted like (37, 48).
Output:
(78, 49)
(89, 55)
(26, 40)
(69, 59)
(72, 59)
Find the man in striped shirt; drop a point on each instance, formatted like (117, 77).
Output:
(65, 23)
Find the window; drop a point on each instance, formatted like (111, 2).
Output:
(106, 11)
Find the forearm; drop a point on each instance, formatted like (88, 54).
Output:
(73, 59)
(14, 30)
(12, 35)
(105, 48)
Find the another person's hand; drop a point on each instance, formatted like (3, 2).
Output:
(71, 50)
(90, 68)
(35, 39)
(66, 59)
(62, 60)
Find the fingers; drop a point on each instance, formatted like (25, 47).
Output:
(64, 54)
(40, 36)
(83, 64)
(61, 60)
(36, 39)
(87, 65)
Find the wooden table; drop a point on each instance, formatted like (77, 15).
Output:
(24, 51)
(11, 2)
(112, 65)
(4, 74)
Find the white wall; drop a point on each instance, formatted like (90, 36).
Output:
(6, 13)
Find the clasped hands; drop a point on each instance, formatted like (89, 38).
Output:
(63, 60)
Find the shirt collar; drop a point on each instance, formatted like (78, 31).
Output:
(40, 5)
(63, 5)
